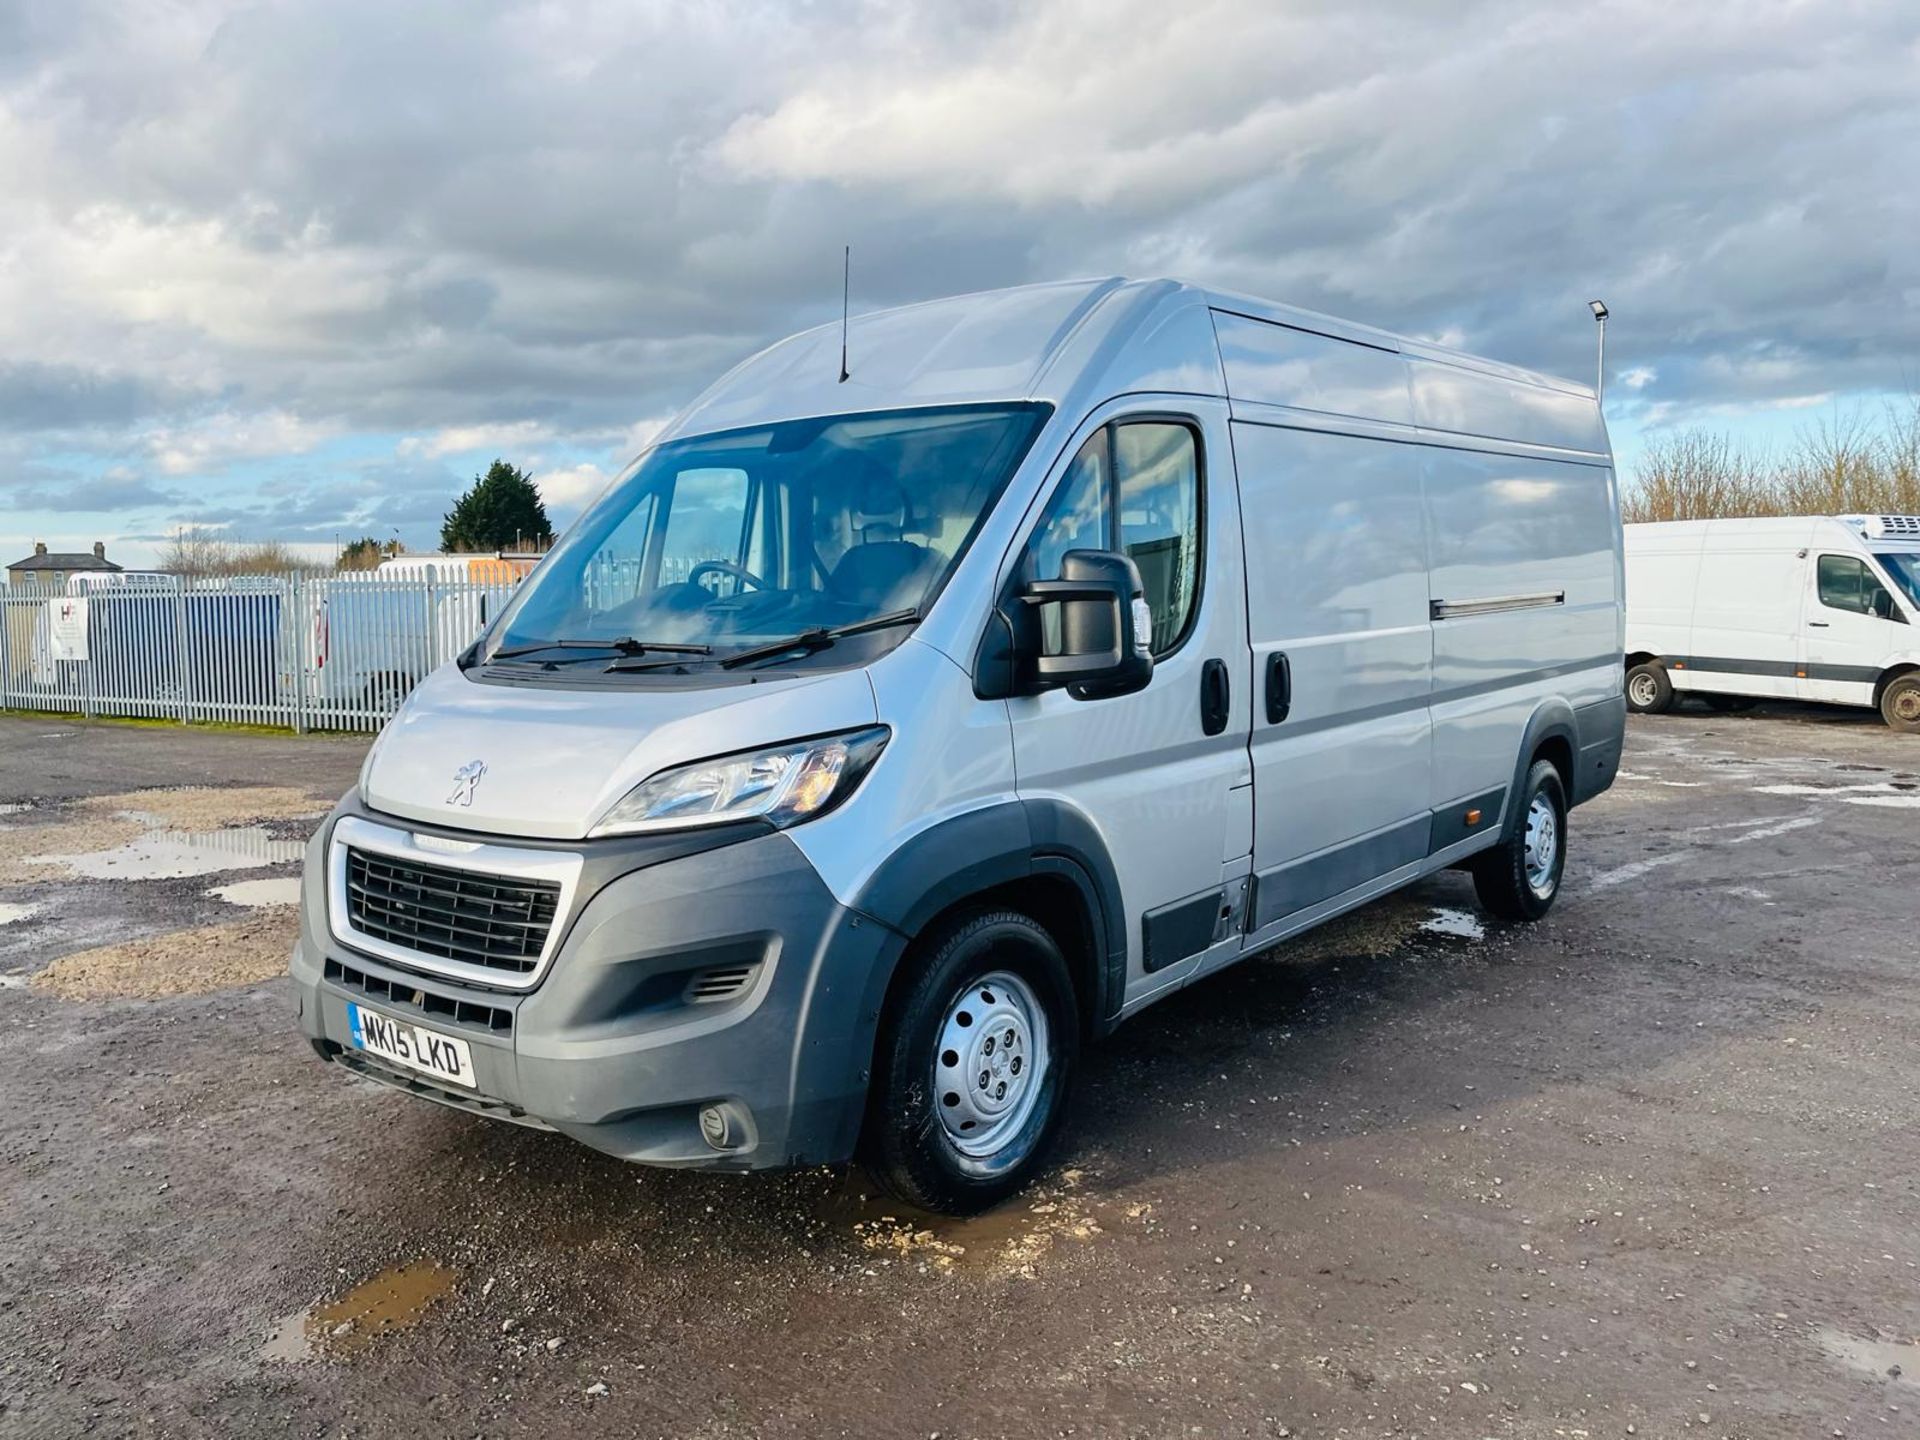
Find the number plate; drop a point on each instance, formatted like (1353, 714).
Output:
(445, 1057)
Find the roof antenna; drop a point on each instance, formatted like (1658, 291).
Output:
(846, 288)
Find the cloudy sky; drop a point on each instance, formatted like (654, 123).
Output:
(299, 270)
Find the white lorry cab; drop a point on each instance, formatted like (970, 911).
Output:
(1798, 608)
(889, 730)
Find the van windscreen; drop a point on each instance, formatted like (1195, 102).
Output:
(1904, 569)
(715, 544)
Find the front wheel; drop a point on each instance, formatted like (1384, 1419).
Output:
(1519, 878)
(976, 1055)
(1900, 705)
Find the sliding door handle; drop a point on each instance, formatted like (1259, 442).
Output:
(1279, 687)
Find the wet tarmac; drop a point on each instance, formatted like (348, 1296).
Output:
(1647, 1168)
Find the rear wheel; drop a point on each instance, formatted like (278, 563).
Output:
(1519, 878)
(1900, 704)
(1649, 691)
(974, 1064)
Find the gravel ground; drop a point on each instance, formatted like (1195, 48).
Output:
(1649, 1167)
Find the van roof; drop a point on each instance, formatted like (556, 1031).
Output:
(1062, 342)
(1882, 531)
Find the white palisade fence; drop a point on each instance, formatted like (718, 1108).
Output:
(334, 652)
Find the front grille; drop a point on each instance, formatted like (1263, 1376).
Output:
(495, 921)
(408, 995)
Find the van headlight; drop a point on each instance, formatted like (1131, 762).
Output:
(783, 784)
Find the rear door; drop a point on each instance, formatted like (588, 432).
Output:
(1162, 774)
(1850, 631)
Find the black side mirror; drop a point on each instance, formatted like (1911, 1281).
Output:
(1883, 604)
(1106, 645)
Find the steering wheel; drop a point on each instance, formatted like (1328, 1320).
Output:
(726, 567)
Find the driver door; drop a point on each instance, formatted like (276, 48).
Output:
(1848, 636)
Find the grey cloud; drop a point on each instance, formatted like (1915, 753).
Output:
(513, 212)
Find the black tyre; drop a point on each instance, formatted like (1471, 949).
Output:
(1520, 877)
(1900, 705)
(1729, 704)
(1649, 691)
(974, 1064)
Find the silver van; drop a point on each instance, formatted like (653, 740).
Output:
(886, 733)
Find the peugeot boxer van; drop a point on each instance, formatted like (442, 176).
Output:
(888, 731)
(1799, 608)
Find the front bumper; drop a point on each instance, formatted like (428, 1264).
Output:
(630, 1036)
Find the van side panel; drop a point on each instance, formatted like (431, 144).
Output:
(1747, 611)
(1463, 401)
(1535, 537)
(1337, 582)
(1270, 364)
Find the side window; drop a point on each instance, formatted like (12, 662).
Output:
(1077, 517)
(1159, 476)
(1134, 487)
(1845, 584)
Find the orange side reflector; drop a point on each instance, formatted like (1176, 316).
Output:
(1473, 817)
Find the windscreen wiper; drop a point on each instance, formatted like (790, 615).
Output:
(819, 638)
(625, 645)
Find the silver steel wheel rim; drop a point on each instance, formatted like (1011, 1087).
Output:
(990, 1063)
(1642, 688)
(1906, 705)
(1543, 844)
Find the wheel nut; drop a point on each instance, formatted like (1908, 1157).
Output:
(989, 1045)
(985, 1079)
(1000, 1091)
(1015, 1067)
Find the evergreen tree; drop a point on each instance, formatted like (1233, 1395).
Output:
(500, 512)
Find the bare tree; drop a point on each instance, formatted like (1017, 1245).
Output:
(1843, 466)
(200, 553)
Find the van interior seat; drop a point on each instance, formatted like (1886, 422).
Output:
(883, 574)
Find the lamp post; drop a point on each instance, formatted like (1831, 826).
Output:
(1600, 370)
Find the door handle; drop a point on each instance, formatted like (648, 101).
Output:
(1818, 625)
(1279, 687)
(1216, 697)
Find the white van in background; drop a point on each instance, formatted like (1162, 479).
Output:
(1798, 608)
(886, 731)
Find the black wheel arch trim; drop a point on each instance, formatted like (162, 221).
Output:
(998, 844)
(1554, 720)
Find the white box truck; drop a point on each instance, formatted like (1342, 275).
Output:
(1796, 608)
(886, 731)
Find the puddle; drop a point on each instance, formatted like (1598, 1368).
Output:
(257, 894)
(392, 1301)
(185, 962)
(1895, 1360)
(174, 854)
(1462, 923)
(20, 845)
(11, 914)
